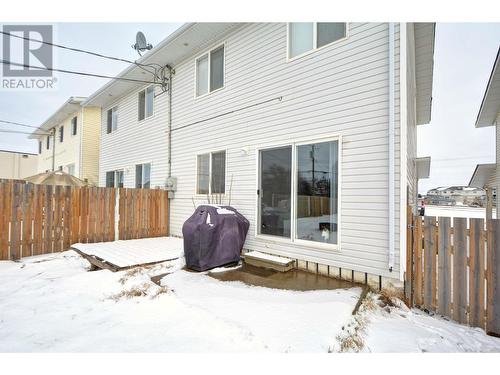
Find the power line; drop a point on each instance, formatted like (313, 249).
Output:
(21, 132)
(77, 73)
(280, 98)
(76, 49)
(19, 124)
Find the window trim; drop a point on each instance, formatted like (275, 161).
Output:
(150, 162)
(207, 53)
(76, 127)
(60, 134)
(111, 109)
(145, 101)
(210, 173)
(292, 241)
(315, 41)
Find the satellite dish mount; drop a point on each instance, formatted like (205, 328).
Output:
(140, 43)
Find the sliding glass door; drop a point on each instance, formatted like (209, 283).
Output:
(298, 192)
(317, 187)
(275, 191)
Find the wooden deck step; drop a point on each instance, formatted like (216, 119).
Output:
(258, 259)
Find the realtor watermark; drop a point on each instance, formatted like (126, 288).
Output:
(27, 57)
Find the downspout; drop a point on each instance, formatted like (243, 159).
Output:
(391, 148)
(53, 149)
(169, 130)
(403, 121)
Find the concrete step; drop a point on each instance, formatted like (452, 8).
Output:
(263, 260)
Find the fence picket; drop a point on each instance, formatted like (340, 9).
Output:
(476, 273)
(429, 262)
(459, 270)
(493, 278)
(444, 266)
(417, 243)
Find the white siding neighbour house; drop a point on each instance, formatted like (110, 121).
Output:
(488, 175)
(300, 127)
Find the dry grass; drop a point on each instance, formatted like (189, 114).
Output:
(136, 291)
(351, 339)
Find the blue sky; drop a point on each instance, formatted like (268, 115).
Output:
(464, 55)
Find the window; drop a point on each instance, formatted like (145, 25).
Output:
(114, 179)
(39, 147)
(309, 211)
(143, 176)
(74, 125)
(307, 36)
(61, 134)
(146, 102)
(211, 173)
(112, 120)
(48, 142)
(71, 169)
(210, 71)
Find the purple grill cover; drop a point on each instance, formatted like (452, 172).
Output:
(212, 239)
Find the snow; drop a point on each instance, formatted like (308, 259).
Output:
(272, 258)
(457, 211)
(51, 303)
(403, 330)
(126, 253)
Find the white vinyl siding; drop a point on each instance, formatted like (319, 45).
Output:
(133, 143)
(340, 90)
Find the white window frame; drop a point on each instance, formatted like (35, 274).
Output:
(71, 126)
(145, 103)
(315, 41)
(115, 107)
(142, 174)
(209, 153)
(292, 241)
(207, 53)
(68, 167)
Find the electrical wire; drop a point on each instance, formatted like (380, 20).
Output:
(22, 132)
(280, 98)
(77, 73)
(19, 124)
(77, 50)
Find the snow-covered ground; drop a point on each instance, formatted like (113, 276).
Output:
(51, 303)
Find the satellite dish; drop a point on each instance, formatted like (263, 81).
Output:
(140, 43)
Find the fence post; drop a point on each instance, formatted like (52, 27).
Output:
(117, 214)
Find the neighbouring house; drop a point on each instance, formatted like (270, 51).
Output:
(17, 165)
(308, 129)
(73, 143)
(487, 176)
(452, 195)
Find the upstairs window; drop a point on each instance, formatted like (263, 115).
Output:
(48, 142)
(112, 120)
(146, 102)
(210, 71)
(74, 125)
(61, 134)
(211, 173)
(143, 176)
(306, 36)
(71, 169)
(39, 147)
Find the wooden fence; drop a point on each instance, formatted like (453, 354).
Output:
(453, 268)
(42, 219)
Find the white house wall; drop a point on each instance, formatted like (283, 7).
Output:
(339, 90)
(135, 142)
